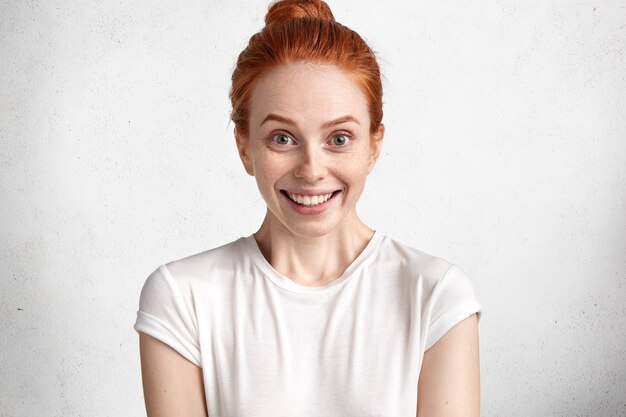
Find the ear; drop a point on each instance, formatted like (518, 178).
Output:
(376, 143)
(243, 143)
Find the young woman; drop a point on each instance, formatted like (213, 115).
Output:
(315, 314)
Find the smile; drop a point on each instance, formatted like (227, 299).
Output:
(309, 200)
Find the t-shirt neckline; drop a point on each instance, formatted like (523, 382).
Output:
(288, 284)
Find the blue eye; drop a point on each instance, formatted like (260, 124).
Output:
(340, 140)
(281, 139)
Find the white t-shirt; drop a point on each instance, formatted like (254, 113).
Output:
(270, 347)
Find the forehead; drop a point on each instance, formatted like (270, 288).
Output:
(308, 93)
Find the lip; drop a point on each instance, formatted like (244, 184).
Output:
(303, 191)
(310, 210)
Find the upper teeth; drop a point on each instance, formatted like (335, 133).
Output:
(309, 200)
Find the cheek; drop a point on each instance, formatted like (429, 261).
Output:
(354, 174)
(268, 170)
(357, 165)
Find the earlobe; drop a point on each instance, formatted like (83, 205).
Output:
(376, 143)
(242, 146)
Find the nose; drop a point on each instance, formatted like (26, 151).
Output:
(311, 165)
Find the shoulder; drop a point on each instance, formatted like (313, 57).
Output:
(198, 279)
(444, 292)
(199, 267)
(411, 262)
(435, 277)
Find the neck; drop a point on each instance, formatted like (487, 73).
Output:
(312, 260)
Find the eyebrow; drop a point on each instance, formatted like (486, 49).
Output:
(338, 121)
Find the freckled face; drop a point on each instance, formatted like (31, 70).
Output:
(309, 147)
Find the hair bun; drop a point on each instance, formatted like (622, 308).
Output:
(283, 10)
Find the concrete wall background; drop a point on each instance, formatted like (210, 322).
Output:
(505, 152)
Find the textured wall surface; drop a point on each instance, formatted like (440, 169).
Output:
(505, 152)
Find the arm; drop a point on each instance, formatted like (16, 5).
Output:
(449, 383)
(173, 386)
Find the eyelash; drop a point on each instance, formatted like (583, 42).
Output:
(344, 134)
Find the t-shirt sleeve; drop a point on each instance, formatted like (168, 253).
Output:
(165, 314)
(453, 299)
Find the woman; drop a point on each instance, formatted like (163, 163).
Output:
(315, 314)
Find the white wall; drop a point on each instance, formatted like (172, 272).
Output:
(505, 153)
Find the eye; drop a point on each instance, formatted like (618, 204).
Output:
(282, 139)
(340, 140)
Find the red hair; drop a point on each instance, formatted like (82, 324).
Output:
(304, 30)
